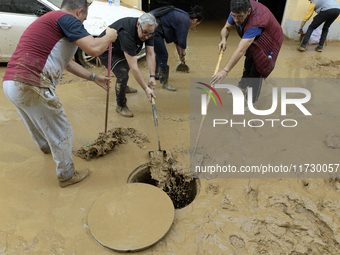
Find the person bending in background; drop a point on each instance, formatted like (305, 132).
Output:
(45, 49)
(261, 42)
(132, 34)
(174, 27)
(328, 11)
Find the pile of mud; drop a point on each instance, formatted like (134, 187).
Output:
(173, 177)
(107, 141)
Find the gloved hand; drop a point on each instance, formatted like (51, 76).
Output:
(300, 32)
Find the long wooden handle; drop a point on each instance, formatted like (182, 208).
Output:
(154, 111)
(203, 117)
(219, 62)
(108, 86)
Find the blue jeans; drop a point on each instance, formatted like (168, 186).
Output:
(160, 50)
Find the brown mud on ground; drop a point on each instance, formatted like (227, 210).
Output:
(321, 65)
(228, 216)
(163, 165)
(170, 172)
(107, 141)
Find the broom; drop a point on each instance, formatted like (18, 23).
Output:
(108, 86)
(203, 117)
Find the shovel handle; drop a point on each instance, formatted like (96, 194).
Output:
(219, 62)
(154, 111)
(203, 117)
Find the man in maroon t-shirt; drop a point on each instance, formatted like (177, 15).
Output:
(45, 49)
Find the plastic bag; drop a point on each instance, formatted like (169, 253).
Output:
(315, 37)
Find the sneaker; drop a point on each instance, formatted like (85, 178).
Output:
(130, 90)
(246, 108)
(318, 49)
(301, 49)
(241, 87)
(77, 176)
(124, 111)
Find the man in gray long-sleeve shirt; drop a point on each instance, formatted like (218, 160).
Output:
(328, 11)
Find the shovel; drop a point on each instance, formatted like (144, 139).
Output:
(182, 68)
(160, 153)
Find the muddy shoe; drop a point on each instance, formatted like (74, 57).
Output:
(46, 150)
(77, 176)
(246, 107)
(318, 49)
(130, 90)
(124, 111)
(241, 87)
(301, 49)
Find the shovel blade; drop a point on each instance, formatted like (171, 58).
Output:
(182, 68)
(157, 154)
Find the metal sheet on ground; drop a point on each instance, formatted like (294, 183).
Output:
(131, 217)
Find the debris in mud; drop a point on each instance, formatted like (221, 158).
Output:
(324, 67)
(170, 175)
(107, 141)
(164, 168)
(332, 141)
(177, 119)
(173, 177)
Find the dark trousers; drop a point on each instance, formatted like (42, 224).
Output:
(121, 70)
(160, 50)
(324, 16)
(251, 77)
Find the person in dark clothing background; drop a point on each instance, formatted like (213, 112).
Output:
(174, 27)
(328, 11)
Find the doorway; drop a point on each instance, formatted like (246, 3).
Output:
(214, 10)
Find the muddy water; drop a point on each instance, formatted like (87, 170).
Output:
(229, 216)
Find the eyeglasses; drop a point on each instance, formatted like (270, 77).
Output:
(238, 16)
(145, 33)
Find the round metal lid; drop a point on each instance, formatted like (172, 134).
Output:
(131, 217)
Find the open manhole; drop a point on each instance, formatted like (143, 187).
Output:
(181, 192)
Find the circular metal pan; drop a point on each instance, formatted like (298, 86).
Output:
(131, 217)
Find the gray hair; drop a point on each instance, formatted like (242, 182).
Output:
(149, 19)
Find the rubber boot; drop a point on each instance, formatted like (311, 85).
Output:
(164, 77)
(157, 72)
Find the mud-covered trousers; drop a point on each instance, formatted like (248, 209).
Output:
(44, 116)
(121, 70)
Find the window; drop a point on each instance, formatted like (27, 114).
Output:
(20, 6)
